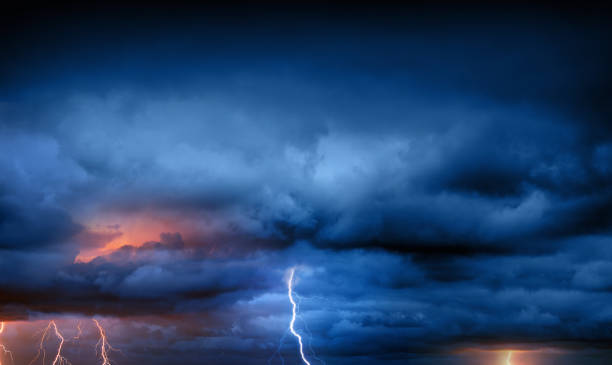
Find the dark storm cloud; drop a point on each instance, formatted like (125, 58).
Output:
(440, 184)
(34, 176)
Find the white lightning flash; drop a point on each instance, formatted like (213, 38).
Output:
(509, 358)
(3, 348)
(294, 310)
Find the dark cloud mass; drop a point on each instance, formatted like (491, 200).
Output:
(441, 177)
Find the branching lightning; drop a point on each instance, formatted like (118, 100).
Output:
(103, 344)
(309, 342)
(278, 350)
(294, 310)
(58, 359)
(41, 346)
(3, 348)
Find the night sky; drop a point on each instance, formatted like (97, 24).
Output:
(438, 176)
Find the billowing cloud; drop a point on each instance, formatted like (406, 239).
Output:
(442, 193)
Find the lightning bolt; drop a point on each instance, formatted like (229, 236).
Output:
(293, 311)
(309, 334)
(77, 337)
(41, 346)
(79, 332)
(103, 344)
(58, 359)
(278, 350)
(508, 358)
(3, 348)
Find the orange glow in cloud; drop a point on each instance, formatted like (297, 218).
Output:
(517, 357)
(508, 356)
(130, 230)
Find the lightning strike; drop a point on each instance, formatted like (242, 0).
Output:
(79, 332)
(58, 359)
(3, 348)
(509, 358)
(41, 346)
(278, 350)
(103, 344)
(294, 307)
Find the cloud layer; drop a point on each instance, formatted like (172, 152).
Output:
(438, 189)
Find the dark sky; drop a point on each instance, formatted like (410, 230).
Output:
(439, 175)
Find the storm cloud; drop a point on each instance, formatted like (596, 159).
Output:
(441, 181)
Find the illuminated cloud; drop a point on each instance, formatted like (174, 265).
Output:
(443, 180)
